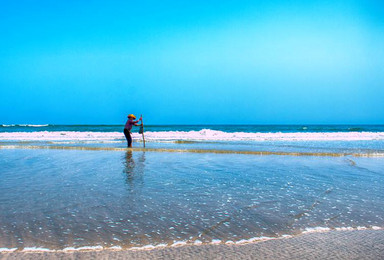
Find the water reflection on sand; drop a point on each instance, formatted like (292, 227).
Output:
(134, 170)
(75, 198)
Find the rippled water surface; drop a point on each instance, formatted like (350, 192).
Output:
(63, 198)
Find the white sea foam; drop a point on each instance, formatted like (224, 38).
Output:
(213, 135)
(202, 135)
(344, 229)
(179, 243)
(197, 242)
(361, 228)
(37, 249)
(83, 248)
(316, 229)
(4, 249)
(325, 229)
(115, 248)
(254, 239)
(148, 247)
(28, 125)
(24, 125)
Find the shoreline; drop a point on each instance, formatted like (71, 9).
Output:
(340, 244)
(173, 150)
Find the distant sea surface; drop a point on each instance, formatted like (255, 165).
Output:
(224, 128)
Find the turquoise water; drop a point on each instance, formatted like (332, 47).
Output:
(225, 128)
(277, 138)
(57, 199)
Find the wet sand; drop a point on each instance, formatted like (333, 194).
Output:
(357, 244)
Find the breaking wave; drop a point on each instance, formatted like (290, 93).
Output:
(202, 135)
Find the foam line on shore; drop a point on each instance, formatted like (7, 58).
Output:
(215, 151)
(188, 243)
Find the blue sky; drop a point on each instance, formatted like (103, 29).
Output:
(192, 62)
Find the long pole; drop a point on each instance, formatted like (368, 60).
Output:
(142, 133)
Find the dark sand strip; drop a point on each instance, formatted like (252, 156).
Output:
(362, 244)
(216, 151)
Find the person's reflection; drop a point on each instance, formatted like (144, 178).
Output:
(134, 171)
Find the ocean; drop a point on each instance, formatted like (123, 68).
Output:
(75, 187)
(224, 128)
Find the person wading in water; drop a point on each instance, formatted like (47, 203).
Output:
(128, 127)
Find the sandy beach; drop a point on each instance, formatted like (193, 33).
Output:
(357, 244)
